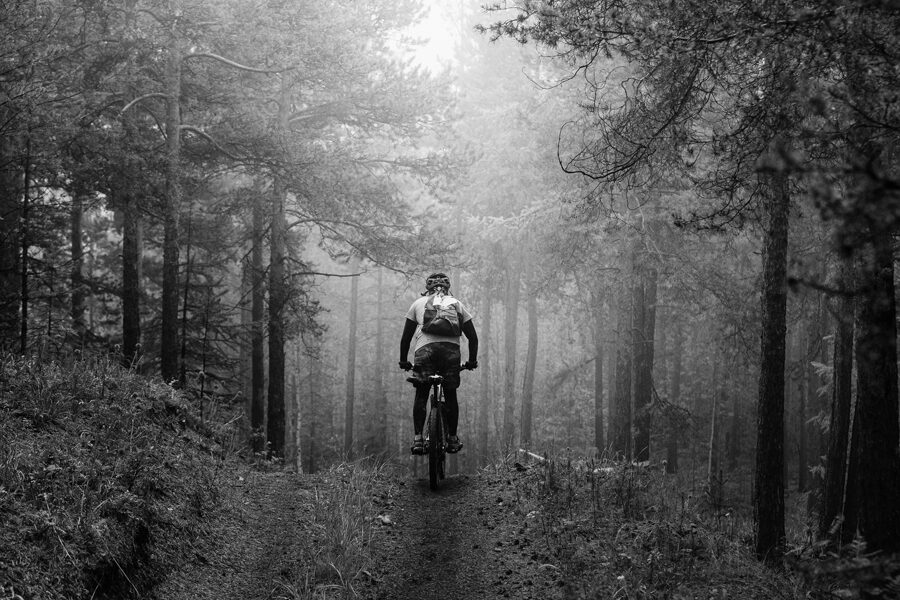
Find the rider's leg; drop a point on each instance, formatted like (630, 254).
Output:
(452, 405)
(420, 408)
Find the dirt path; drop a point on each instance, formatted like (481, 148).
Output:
(469, 540)
(250, 547)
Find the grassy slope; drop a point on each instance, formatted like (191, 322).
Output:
(104, 479)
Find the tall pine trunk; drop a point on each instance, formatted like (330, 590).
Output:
(513, 286)
(530, 366)
(79, 325)
(25, 244)
(597, 331)
(257, 330)
(877, 459)
(185, 297)
(620, 414)
(275, 414)
(485, 405)
(381, 404)
(171, 209)
(350, 398)
(278, 293)
(713, 481)
(677, 364)
(643, 331)
(131, 280)
(833, 510)
(10, 213)
(768, 501)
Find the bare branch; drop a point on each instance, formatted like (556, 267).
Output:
(236, 65)
(142, 98)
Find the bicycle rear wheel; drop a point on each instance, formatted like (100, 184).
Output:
(435, 446)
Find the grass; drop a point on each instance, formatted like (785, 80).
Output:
(339, 555)
(104, 478)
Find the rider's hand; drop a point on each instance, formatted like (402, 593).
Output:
(471, 365)
(405, 365)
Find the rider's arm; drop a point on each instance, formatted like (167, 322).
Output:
(408, 330)
(468, 329)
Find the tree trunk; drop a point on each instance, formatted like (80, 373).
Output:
(79, 325)
(381, 404)
(350, 398)
(313, 416)
(278, 293)
(734, 433)
(843, 307)
(801, 422)
(182, 371)
(643, 331)
(677, 363)
(25, 244)
(713, 483)
(275, 422)
(485, 406)
(257, 331)
(510, 331)
(171, 209)
(768, 502)
(597, 331)
(10, 223)
(530, 366)
(877, 457)
(620, 417)
(131, 280)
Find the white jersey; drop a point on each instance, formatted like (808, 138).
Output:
(416, 313)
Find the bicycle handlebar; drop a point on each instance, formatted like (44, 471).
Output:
(455, 369)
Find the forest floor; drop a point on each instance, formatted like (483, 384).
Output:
(274, 536)
(112, 487)
(508, 531)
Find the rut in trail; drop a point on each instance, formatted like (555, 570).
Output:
(468, 540)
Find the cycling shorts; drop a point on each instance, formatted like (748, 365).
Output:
(438, 358)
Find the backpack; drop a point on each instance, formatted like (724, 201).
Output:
(441, 319)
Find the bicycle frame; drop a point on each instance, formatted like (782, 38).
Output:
(436, 431)
(436, 436)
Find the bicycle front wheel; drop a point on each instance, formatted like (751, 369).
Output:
(435, 446)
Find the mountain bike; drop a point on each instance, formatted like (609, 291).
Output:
(436, 430)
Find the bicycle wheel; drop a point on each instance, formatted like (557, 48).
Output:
(435, 446)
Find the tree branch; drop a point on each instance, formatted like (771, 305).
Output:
(236, 65)
(208, 138)
(142, 98)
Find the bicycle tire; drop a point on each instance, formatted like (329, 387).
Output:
(435, 446)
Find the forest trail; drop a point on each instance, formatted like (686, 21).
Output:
(468, 540)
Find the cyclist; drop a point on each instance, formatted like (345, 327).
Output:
(437, 352)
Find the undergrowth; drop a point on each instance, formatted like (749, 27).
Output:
(620, 531)
(105, 478)
(334, 563)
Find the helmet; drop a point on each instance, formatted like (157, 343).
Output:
(437, 280)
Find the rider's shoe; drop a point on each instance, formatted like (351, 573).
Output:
(418, 446)
(453, 444)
